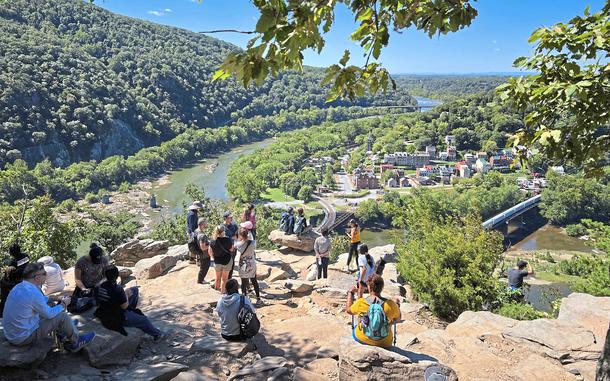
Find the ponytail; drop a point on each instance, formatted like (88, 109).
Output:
(370, 260)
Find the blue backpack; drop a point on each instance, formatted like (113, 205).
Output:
(284, 221)
(375, 322)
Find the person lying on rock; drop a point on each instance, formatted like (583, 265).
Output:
(376, 315)
(28, 318)
(13, 274)
(228, 309)
(116, 312)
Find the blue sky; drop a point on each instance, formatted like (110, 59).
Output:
(496, 37)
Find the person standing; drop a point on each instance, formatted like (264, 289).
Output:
(354, 236)
(248, 226)
(13, 273)
(366, 268)
(116, 312)
(192, 219)
(220, 252)
(250, 215)
(28, 319)
(202, 247)
(515, 279)
(230, 232)
(247, 263)
(321, 247)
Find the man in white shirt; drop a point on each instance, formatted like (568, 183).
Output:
(28, 318)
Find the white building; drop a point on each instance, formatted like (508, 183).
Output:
(482, 165)
(465, 171)
(406, 159)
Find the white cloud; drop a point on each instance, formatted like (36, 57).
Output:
(168, 10)
(494, 41)
(497, 49)
(160, 12)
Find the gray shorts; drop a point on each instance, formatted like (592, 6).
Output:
(223, 268)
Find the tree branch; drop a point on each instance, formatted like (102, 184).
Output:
(228, 30)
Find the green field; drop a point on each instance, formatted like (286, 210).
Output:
(277, 195)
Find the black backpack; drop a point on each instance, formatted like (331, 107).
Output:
(249, 325)
(380, 266)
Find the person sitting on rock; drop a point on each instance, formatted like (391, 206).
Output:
(13, 274)
(300, 223)
(516, 276)
(287, 221)
(366, 268)
(114, 309)
(376, 314)
(28, 318)
(221, 252)
(247, 263)
(55, 276)
(228, 308)
(88, 273)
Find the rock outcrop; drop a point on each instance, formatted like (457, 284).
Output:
(589, 311)
(151, 268)
(299, 286)
(603, 365)
(367, 363)
(134, 250)
(161, 371)
(23, 357)
(303, 242)
(110, 347)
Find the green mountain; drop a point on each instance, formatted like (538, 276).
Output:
(79, 83)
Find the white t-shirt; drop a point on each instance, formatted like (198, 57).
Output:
(369, 270)
(55, 279)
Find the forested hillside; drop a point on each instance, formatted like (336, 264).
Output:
(79, 83)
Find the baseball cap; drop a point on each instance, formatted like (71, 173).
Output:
(227, 214)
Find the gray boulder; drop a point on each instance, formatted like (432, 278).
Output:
(134, 250)
(557, 339)
(303, 242)
(110, 347)
(603, 364)
(359, 362)
(259, 366)
(162, 371)
(151, 268)
(23, 357)
(589, 311)
(299, 286)
(387, 252)
(216, 344)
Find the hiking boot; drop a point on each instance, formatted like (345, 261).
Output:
(82, 341)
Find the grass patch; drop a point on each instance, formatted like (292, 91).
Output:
(276, 195)
(360, 193)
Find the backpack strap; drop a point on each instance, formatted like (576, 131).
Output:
(241, 302)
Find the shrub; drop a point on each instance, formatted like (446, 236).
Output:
(67, 205)
(449, 264)
(112, 229)
(339, 245)
(576, 230)
(124, 187)
(578, 265)
(521, 311)
(92, 198)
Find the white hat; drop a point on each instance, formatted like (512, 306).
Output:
(47, 261)
(247, 225)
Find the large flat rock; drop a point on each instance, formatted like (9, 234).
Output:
(134, 250)
(110, 347)
(556, 338)
(474, 324)
(303, 242)
(216, 344)
(161, 371)
(23, 357)
(359, 362)
(151, 268)
(589, 311)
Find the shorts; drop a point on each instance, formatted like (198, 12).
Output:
(223, 268)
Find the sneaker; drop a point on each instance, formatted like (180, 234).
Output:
(83, 340)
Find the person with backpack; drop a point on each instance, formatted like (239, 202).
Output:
(321, 247)
(221, 252)
(377, 315)
(287, 221)
(200, 246)
(238, 321)
(191, 225)
(247, 263)
(250, 216)
(354, 237)
(366, 268)
(300, 222)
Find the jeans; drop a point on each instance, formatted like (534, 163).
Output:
(134, 319)
(323, 267)
(353, 253)
(204, 267)
(62, 324)
(244, 286)
(134, 297)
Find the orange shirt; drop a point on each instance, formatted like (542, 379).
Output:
(392, 312)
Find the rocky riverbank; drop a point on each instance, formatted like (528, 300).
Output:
(305, 332)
